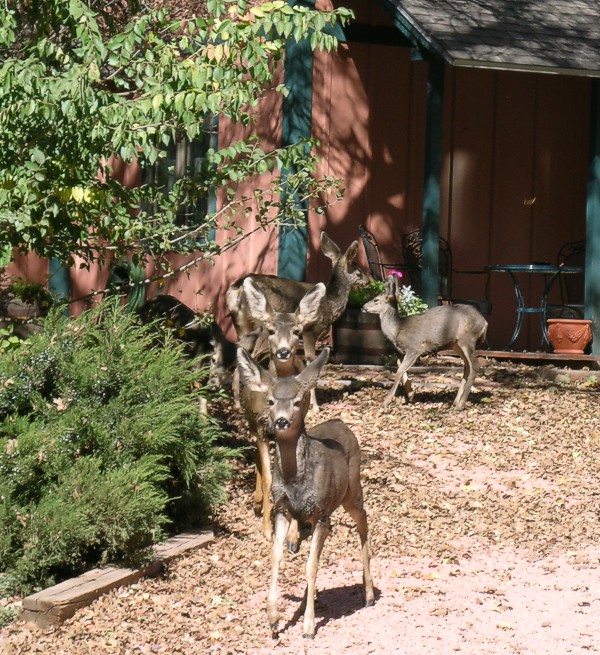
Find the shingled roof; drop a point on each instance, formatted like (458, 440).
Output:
(537, 35)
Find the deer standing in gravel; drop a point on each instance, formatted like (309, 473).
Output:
(284, 295)
(283, 330)
(460, 327)
(315, 472)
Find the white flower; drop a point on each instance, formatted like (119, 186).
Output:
(409, 303)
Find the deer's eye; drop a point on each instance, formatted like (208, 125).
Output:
(271, 402)
(297, 332)
(271, 331)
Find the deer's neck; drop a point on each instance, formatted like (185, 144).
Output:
(284, 369)
(338, 289)
(391, 323)
(292, 456)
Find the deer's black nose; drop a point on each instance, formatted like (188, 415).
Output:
(282, 424)
(284, 353)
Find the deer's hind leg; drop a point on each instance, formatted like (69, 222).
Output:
(467, 354)
(356, 510)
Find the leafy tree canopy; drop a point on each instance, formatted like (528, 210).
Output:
(85, 84)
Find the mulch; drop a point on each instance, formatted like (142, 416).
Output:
(484, 526)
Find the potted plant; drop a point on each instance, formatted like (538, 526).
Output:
(357, 335)
(23, 300)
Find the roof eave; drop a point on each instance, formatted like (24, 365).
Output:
(525, 68)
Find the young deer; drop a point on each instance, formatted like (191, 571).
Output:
(460, 327)
(284, 330)
(315, 472)
(284, 295)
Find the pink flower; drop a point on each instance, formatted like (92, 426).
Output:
(396, 273)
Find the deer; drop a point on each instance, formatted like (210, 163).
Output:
(315, 472)
(460, 327)
(284, 295)
(283, 332)
(199, 340)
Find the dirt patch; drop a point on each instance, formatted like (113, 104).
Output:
(484, 527)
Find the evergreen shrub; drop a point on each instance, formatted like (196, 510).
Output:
(103, 449)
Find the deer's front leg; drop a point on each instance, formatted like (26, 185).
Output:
(401, 376)
(316, 547)
(310, 352)
(281, 528)
(264, 463)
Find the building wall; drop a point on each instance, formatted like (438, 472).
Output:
(513, 186)
(514, 180)
(514, 167)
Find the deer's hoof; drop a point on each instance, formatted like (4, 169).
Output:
(369, 602)
(308, 635)
(275, 630)
(293, 547)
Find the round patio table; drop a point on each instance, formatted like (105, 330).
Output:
(551, 272)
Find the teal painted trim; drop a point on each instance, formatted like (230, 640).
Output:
(212, 198)
(59, 282)
(296, 126)
(592, 253)
(431, 191)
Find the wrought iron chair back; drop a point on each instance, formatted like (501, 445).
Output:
(412, 248)
(377, 269)
(571, 286)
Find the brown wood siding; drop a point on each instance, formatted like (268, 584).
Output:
(368, 113)
(514, 180)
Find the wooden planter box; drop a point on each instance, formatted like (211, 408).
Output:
(358, 339)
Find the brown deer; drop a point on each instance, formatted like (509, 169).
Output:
(283, 330)
(460, 327)
(315, 472)
(284, 295)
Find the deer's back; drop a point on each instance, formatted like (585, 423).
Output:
(437, 328)
(335, 431)
(283, 295)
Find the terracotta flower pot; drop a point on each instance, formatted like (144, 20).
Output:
(569, 335)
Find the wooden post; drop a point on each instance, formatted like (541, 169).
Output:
(592, 253)
(296, 125)
(431, 192)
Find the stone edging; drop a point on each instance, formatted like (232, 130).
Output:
(55, 604)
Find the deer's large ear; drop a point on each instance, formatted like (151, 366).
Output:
(351, 252)
(216, 333)
(232, 298)
(309, 309)
(329, 248)
(390, 285)
(252, 375)
(309, 376)
(257, 301)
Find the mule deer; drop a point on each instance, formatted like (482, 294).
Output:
(460, 327)
(284, 295)
(199, 340)
(284, 330)
(315, 472)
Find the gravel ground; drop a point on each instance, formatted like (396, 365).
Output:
(484, 530)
